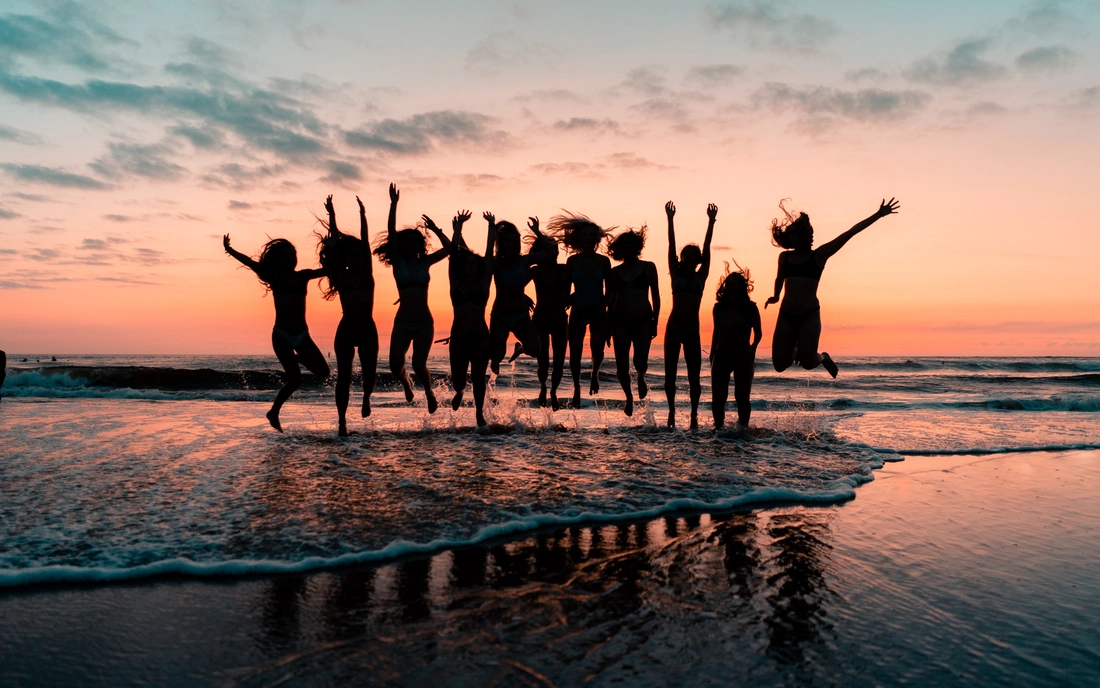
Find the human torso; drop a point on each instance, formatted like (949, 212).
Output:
(735, 322)
(511, 278)
(587, 272)
(687, 294)
(802, 274)
(289, 294)
(630, 282)
(412, 279)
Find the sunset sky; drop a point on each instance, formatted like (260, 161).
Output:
(135, 134)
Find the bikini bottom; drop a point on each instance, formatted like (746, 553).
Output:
(295, 340)
(797, 320)
(413, 327)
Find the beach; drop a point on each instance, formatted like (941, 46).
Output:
(916, 523)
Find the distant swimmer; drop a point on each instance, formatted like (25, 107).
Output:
(290, 335)
(470, 277)
(689, 277)
(511, 313)
(633, 310)
(589, 278)
(406, 252)
(732, 352)
(551, 318)
(349, 270)
(798, 327)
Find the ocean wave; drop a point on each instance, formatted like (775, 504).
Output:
(837, 491)
(983, 451)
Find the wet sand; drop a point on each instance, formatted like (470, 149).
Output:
(955, 570)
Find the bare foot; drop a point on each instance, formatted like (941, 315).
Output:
(480, 419)
(629, 408)
(343, 429)
(594, 388)
(273, 418)
(516, 351)
(366, 407)
(456, 401)
(432, 403)
(542, 396)
(828, 364)
(406, 383)
(495, 367)
(554, 403)
(643, 388)
(671, 418)
(694, 420)
(577, 397)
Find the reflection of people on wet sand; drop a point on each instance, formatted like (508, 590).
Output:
(347, 263)
(407, 253)
(798, 327)
(736, 317)
(290, 335)
(689, 276)
(589, 276)
(632, 317)
(470, 276)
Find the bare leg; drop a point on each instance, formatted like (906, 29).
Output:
(479, 361)
(693, 357)
(621, 340)
(719, 391)
(544, 361)
(597, 337)
(285, 353)
(422, 345)
(672, 359)
(345, 356)
(808, 336)
(559, 339)
(400, 340)
(459, 364)
(368, 361)
(784, 341)
(742, 391)
(642, 342)
(576, 351)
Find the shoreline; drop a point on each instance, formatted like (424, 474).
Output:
(929, 533)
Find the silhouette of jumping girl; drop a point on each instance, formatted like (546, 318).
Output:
(589, 277)
(798, 327)
(348, 267)
(406, 252)
(290, 335)
(512, 308)
(551, 320)
(736, 317)
(632, 317)
(470, 276)
(689, 277)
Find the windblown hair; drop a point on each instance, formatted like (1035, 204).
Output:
(459, 256)
(568, 229)
(784, 231)
(696, 254)
(389, 251)
(335, 255)
(506, 230)
(735, 287)
(540, 242)
(274, 256)
(627, 245)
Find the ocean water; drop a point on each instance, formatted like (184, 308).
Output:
(130, 467)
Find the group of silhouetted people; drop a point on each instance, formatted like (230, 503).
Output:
(618, 305)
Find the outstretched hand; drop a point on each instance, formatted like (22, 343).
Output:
(670, 208)
(394, 193)
(771, 300)
(533, 225)
(362, 210)
(225, 243)
(712, 211)
(328, 205)
(888, 207)
(460, 219)
(492, 219)
(429, 223)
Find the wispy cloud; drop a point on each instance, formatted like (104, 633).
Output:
(819, 107)
(150, 161)
(19, 136)
(1046, 60)
(341, 172)
(52, 176)
(421, 133)
(8, 214)
(963, 65)
(715, 75)
(68, 33)
(508, 50)
(771, 25)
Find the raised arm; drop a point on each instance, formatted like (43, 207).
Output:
(533, 258)
(248, 262)
(673, 263)
(490, 241)
(826, 251)
(704, 267)
(780, 275)
(439, 255)
(456, 227)
(363, 236)
(332, 231)
(391, 223)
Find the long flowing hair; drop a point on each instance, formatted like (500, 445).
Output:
(735, 286)
(628, 244)
(334, 252)
(784, 231)
(388, 249)
(568, 229)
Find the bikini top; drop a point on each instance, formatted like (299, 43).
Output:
(517, 277)
(462, 297)
(692, 284)
(639, 282)
(587, 289)
(809, 268)
(417, 276)
(292, 285)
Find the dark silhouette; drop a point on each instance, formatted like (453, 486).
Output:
(689, 277)
(589, 276)
(551, 321)
(798, 327)
(735, 318)
(633, 318)
(512, 308)
(347, 263)
(3, 370)
(407, 253)
(290, 335)
(470, 276)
